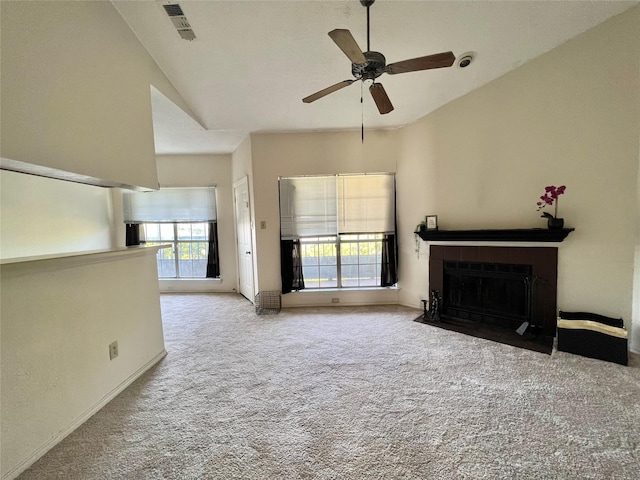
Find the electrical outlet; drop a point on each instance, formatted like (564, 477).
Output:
(335, 300)
(113, 350)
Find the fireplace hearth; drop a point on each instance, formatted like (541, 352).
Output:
(505, 294)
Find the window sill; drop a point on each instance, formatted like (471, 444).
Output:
(194, 285)
(168, 279)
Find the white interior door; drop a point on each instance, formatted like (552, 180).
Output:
(243, 235)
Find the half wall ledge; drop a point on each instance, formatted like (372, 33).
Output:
(496, 235)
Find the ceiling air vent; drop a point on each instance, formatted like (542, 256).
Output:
(177, 17)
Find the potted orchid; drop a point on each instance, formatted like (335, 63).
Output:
(550, 197)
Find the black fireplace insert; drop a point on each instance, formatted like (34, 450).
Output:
(506, 294)
(493, 293)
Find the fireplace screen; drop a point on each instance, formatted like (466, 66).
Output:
(489, 292)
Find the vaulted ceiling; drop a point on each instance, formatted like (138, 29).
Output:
(252, 62)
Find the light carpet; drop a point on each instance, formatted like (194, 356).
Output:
(353, 393)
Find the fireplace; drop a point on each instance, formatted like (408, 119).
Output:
(507, 294)
(494, 293)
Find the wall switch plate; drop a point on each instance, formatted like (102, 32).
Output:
(113, 350)
(263, 225)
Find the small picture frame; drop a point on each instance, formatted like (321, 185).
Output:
(431, 221)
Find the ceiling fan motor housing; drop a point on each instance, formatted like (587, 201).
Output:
(374, 67)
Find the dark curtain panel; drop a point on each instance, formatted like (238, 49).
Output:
(389, 272)
(132, 234)
(291, 266)
(296, 257)
(213, 259)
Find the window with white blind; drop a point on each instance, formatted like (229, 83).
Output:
(339, 225)
(167, 205)
(184, 218)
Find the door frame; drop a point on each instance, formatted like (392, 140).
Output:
(244, 181)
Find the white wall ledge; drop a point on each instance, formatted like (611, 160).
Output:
(23, 265)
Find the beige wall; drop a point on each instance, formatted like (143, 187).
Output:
(287, 154)
(75, 98)
(571, 116)
(241, 160)
(204, 171)
(58, 318)
(76, 92)
(31, 223)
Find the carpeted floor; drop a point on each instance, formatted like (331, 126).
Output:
(353, 393)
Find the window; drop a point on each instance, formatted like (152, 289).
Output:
(337, 231)
(185, 218)
(187, 257)
(342, 261)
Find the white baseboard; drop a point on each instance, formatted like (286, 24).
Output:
(45, 447)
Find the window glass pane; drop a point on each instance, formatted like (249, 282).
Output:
(199, 250)
(184, 231)
(349, 253)
(348, 238)
(200, 231)
(166, 262)
(368, 275)
(186, 268)
(166, 231)
(328, 276)
(184, 259)
(349, 275)
(311, 276)
(327, 254)
(368, 252)
(309, 252)
(199, 262)
(151, 231)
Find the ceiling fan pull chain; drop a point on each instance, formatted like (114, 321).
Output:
(362, 109)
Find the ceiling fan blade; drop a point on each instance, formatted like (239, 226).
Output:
(327, 91)
(348, 45)
(438, 60)
(381, 98)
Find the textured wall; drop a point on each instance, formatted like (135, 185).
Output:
(58, 318)
(571, 116)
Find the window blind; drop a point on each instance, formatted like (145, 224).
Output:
(196, 204)
(308, 207)
(366, 204)
(328, 205)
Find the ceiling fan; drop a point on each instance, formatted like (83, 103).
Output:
(367, 66)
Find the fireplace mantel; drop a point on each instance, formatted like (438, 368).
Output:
(497, 235)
